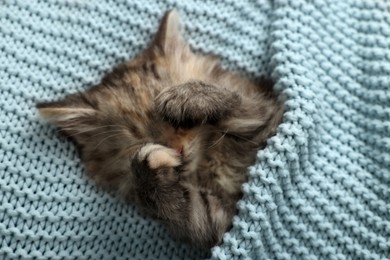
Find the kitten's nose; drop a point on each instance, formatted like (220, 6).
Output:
(180, 149)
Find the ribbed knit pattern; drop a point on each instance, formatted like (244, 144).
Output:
(321, 188)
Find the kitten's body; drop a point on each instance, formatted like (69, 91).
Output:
(172, 132)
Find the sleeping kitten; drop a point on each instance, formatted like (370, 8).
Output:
(172, 132)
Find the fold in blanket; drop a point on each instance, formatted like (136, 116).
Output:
(320, 189)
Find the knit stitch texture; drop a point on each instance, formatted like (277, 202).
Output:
(320, 189)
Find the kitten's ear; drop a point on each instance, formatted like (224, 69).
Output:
(169, 37)
(71, 114)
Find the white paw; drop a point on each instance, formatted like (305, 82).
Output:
(159, 156)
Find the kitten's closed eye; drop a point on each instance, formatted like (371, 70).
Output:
(195, 103)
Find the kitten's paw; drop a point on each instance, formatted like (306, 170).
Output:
(159, 156)
(155, 167)
(195, 103)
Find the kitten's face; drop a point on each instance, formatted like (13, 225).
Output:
(173, 132)
(136, 104)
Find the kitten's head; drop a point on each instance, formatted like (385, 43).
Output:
(166, 95)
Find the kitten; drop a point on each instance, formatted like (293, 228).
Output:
(172, 132)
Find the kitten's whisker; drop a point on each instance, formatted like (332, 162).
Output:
(218, 140)
(132, 146)
(110, 136)
(125, 152)
(243, 138)
(238, 136)
(90, 129)
(106, 132)
(87, 130)
(119, 157)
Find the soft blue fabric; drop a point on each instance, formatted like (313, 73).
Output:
(321, 188)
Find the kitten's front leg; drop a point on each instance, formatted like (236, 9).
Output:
(156, 177)
(195, 103)
(191, 214)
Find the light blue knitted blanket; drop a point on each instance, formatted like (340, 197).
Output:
(321, 188)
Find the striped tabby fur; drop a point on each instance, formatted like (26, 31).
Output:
(172, 132)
